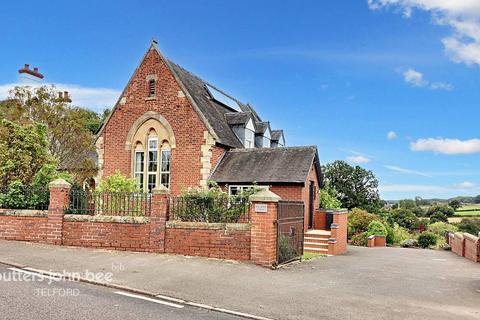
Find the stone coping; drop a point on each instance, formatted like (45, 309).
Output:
(376, 236)
(470, 237)
(333, 211)
(459, 235)
(175, 224)
(100, 218)
(23, 212)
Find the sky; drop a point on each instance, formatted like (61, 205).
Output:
(390, 85)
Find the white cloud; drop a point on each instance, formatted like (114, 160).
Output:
(462, 16)
(93, 98)
(446, 146)
(417, 79)
(408, 171)
(391, 135)
(414, 77)
(464, 185)
(358, 159)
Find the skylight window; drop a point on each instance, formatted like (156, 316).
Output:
(223, 99)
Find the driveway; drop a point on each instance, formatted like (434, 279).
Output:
(366, 283)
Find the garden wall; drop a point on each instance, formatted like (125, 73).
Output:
(465, 245)
(255, 241)
(214, 240)
(23, 225)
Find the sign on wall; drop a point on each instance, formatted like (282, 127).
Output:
(261, 207)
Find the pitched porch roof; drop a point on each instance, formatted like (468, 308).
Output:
(287, 165)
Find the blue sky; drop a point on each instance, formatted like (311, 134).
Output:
(338, 74)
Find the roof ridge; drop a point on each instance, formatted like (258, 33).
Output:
(271, 148)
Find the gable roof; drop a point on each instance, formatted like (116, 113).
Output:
(277, 135)
(210, 111)
(262, 127)
(267, 165)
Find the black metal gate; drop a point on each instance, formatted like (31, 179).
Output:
(290, 222)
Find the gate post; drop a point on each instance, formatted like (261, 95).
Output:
(158, 218)
(263, 213)
(59, 197)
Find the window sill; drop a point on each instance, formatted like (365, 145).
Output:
(150, 98)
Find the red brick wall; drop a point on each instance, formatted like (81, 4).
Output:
(106, 235)
(339, 233)
(205, 242)
(264, 234)
(472, 247)
(23, 228)
(186, 124)
(217, 153)
(457, 243)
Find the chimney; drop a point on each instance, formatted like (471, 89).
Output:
(26, 66)
(66, 97)
(60, 96)
(35, 69)
(35, 73)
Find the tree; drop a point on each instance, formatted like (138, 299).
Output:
(455, 204)
(23, 152)
(407, 204)
(328, 198)
(404, 218)
(439, 208)
(69, 128)
(356, 186)
(477, 199)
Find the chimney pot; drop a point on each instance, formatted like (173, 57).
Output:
(60, 95)
(35, 69)
(65, 94)
(27, 66)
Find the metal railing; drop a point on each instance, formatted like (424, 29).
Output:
(197, 209)
(24, 197)
(109, 203)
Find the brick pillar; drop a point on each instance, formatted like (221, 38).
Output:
(337, 244)
(158, 218)
(263, 213)
(59, 191)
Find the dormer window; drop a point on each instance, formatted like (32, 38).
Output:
(151, 88)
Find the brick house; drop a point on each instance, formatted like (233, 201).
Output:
(170, 127)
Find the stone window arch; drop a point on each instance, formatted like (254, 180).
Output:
(151, 141)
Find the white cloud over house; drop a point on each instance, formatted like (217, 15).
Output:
(446, 146)
(462, 16)
(358, 159)
(89, 97)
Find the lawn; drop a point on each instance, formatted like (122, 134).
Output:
(468, 210)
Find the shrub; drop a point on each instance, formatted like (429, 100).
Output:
(117, 183)
(427, 239)
(286, 251)
(400, 234)
(390, 234)
(404, 218)
(409, 243)
(360, 239)
(358, 221)
(439, 228)
(328, 199)
(471, 226)
(446, 210)
(438, 217)
(18, 196)
(419, 211)
(376, 228)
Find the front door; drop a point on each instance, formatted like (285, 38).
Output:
(311, 199)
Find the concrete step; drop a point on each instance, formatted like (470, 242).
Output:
(315, 250)
(319, 234)
(315, 240)
(315, 244)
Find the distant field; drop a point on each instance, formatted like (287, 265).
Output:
(468, 210)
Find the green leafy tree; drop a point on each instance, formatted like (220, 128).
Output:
(468, 225)
(23, 152)
(455, 204)
(359, 220)
(407, 204)
(69, 128)
(440, 208)
(356, 186)
(404, 218)
(117, 182)
(438, 217)
(376, 228)
(328, 198)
